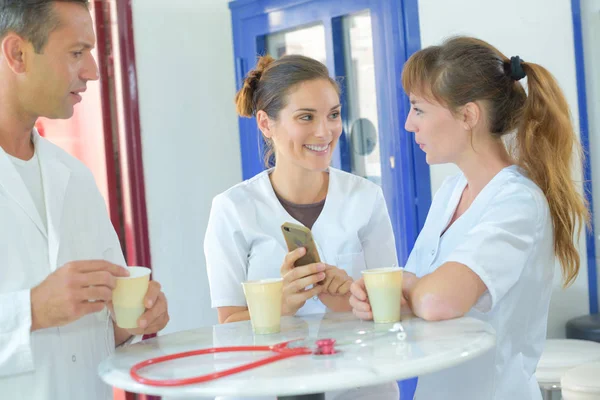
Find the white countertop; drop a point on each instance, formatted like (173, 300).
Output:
(369, 354)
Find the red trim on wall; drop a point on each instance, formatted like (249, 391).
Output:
(136, 220)
(105, 66)
(134, 194)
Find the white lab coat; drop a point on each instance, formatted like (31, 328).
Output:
(244, 242)
(56, 363)
(506, 238)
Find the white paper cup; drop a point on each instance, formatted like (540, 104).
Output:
(384, 287)
(264, 304)
(128, 296)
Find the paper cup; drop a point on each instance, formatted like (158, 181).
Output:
(384, 287)
(264, 304)
(128, 296)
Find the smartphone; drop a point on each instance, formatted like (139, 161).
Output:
(300, 236)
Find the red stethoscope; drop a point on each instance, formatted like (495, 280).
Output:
(281, 350)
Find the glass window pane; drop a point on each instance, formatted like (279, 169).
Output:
(307, 41)
(361, 96)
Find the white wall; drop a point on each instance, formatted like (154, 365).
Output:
(191, 151)
(540, 31)
(590, 16)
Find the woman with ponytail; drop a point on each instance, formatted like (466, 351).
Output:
(297, 108)
(493, 233)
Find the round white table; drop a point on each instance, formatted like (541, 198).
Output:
(369, 354)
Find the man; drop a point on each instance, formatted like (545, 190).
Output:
(59, 254)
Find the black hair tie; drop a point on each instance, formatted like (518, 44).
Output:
(516, 68)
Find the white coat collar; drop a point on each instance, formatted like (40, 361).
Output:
(55, 176)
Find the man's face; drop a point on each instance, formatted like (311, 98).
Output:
(54, 80)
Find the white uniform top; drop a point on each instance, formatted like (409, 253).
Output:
(60, 362)
(506, 238)
(244, 240)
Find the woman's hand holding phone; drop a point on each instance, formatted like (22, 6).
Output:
(297, 279)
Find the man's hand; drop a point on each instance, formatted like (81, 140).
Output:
(76, 289)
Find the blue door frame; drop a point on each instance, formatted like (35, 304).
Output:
(587, 162)
(395, 24)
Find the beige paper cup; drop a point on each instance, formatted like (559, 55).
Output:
(384, 287)
(264, 304)
(128, 296)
